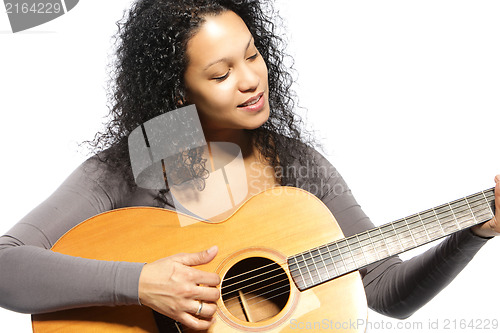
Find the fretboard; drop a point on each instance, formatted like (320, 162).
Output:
(332, 260)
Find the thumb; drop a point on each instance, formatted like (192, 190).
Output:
(198, 258)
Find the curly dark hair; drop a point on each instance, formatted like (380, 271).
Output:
(148, 76)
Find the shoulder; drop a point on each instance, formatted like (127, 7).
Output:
(312, 171)
(103, 181)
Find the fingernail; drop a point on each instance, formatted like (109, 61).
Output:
(212, 250)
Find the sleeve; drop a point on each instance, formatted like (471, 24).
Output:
(34, 279)
(394, 287)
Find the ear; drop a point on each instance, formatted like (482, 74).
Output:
(181, 99)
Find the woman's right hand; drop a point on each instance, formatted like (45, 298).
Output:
(172, 287)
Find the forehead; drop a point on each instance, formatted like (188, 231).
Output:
(221, 36)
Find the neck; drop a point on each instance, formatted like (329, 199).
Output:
(352, 253)
(240, 137)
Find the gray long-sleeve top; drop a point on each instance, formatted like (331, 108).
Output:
(34, 279)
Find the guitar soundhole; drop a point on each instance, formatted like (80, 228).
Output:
(255, 289)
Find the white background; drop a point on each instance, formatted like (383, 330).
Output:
(404, 95)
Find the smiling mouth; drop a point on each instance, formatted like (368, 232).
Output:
(251, 101)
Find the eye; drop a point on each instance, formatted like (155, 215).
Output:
(254, 56)
(221, 78)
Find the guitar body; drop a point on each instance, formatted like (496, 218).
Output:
(260, 235)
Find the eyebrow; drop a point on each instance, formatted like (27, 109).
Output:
(225, 59)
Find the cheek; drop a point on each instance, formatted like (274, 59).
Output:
(216, 102)
(220, 96)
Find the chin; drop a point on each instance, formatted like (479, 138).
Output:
(261, 120)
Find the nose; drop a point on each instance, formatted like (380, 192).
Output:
(249, 79)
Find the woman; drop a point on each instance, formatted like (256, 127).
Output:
(223, 57)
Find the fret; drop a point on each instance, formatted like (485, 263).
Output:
(362, 251)
(446, 219)
(413, 241)
(391, 239)
(346, 256)
(367, 247)
(294, 269)
(462, 212)
(404, 234)
(319, 264)
(349, 254)
(425, 228)
(418, 229)
(487, 200)
(356, 251)
(334, 263)
(480, 209)
(434, 229)
(337, 258)
(397, 237)
(373, 246)
(455, 220)
(473, 220)
(304, 271)
(331, 269)
(490, 197)
(379, 243)
(311, 267)
(439, 222)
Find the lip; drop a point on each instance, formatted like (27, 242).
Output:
(254, 107)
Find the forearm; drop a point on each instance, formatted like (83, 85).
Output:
(398, 289)
(35, 280)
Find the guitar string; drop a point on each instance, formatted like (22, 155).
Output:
(225, 288)
(265, 298)
(403, 225)
(252, 292)
(389, 245)
(186, 329)
(249, 303)
(345, 241)
(473, 215)
(280, 264)
(256, 276)
(443, 218)
(253, 277)
(453, 221)
(274, 296)
(391, 238)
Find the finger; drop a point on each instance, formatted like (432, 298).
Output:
(199, 277)
(207, 294)
(496, 218)
(497, 190)
(497, 195)
(203, 309)
(198, 258)
(207, 279)
(196, 323)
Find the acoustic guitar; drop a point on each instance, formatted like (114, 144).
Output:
(282, 260)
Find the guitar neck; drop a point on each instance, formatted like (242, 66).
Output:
(346, 255)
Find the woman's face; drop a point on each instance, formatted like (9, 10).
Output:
(226, 77)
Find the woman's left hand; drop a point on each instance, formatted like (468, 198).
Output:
(492, 227)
